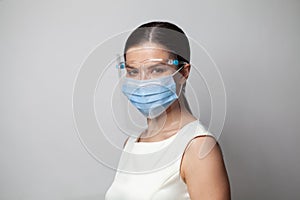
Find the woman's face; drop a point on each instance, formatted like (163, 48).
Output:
(151, 61)
(141, 63)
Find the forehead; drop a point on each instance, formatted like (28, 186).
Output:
(146, 51)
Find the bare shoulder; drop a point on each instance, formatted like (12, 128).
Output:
(204, 170)
(204, 147)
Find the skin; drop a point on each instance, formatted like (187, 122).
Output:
(202, 166)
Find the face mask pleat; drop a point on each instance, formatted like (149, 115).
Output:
(146, 90)
(155, 111)
(150, 98)
(146, 87)
(159, 102)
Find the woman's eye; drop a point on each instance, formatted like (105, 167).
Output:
(158, 70)
(132, 72)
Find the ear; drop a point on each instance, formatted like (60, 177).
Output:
(185, 72)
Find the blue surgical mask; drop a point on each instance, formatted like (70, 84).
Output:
(152, 96)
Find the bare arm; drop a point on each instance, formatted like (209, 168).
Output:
(206, 178)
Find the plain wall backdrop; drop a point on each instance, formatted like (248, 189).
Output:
(255, 44)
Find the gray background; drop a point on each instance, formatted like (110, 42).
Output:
(255, 44)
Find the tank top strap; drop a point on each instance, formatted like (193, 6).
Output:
(129, 144)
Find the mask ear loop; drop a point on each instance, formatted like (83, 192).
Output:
(176, 62)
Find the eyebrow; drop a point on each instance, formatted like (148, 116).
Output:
(128, 66)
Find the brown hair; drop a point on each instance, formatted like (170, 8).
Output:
(165, 34)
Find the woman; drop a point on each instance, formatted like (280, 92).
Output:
(157, 56)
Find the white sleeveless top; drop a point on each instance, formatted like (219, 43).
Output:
(151, 170)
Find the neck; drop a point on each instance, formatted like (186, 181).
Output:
(170, 121)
